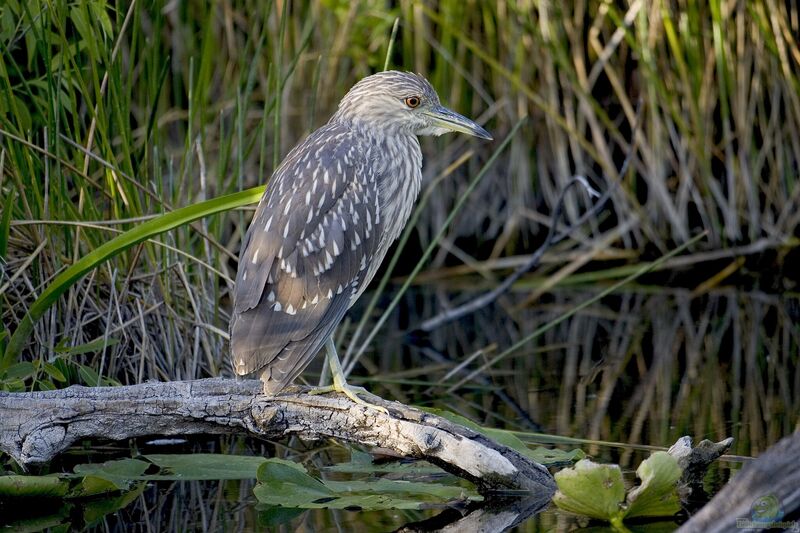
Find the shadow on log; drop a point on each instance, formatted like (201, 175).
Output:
(37, 426)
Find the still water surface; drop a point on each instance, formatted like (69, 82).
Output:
(638, 368)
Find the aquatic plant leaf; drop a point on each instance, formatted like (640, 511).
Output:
(554, 456)
(399, 486)
(205, 466)
(271, 517)
(120, 472)
(361, 463)
(91, 486)
(96, 509)
(15, 486)
(287, 484)
(657, 495)
(592, 490)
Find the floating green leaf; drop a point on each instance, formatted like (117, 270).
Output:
(175, 467)
(271, 517)
(657, 495)
(200, 466)
(361, 463)
(287, 484)
(15, 486)
(597, 491)
(120, 472)
(96, 509)
(592, 490)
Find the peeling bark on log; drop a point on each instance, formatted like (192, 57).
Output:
(37, 426)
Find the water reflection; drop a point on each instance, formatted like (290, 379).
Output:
(638, 368)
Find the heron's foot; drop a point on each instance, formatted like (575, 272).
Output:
(351, 392)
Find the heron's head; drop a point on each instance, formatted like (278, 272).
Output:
(403, 101)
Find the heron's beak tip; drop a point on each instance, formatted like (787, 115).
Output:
(452, 121)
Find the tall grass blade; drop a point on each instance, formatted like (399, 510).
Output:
(102, 253)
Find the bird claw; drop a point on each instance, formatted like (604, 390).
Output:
(351, 392)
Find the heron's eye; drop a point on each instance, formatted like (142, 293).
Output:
(413, 101)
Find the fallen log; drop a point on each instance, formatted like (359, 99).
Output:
(37, 426)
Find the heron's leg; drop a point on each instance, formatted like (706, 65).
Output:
(340, 383)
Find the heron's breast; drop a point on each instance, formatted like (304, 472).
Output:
(398, 183)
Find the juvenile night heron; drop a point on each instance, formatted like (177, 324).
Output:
(325, 222)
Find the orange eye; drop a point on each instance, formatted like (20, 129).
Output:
(413, 101)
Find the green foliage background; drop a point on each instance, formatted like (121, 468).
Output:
(113, 113)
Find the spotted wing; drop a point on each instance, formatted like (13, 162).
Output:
(304, 257)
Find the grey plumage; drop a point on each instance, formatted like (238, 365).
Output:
(329, 214)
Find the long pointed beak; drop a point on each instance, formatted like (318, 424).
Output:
(450, 120)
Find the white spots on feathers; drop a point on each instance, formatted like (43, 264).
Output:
(268, 224)
(288, 206)
(255, 256)
(290, 310)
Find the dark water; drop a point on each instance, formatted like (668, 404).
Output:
(636, 369)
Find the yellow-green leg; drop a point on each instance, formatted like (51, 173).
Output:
(340, 383)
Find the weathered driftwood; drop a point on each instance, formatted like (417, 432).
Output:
(773, 475)
(35, 427)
